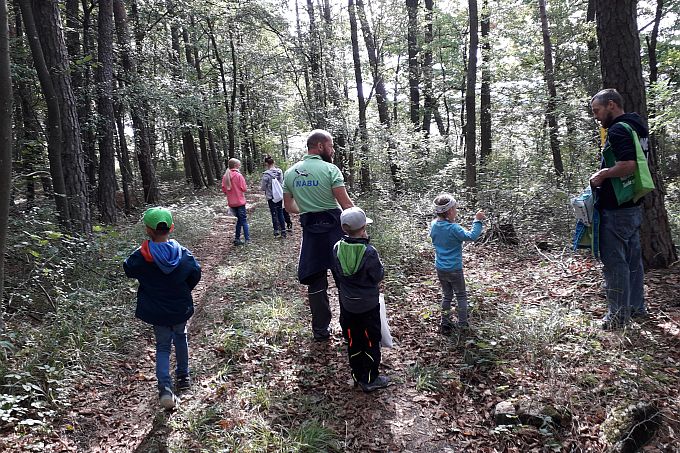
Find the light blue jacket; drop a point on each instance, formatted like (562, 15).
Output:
(447, 238)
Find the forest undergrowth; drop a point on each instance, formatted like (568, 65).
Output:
(77, 370)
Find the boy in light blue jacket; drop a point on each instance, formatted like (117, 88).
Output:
(448, 237)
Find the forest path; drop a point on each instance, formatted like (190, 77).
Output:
(261, 384)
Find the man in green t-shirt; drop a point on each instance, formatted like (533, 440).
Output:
(315, 189)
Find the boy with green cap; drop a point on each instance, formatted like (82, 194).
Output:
(167, 272)
(358, 272)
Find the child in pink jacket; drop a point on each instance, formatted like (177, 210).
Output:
(234, 186)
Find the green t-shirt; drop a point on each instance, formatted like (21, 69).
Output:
(311, 181)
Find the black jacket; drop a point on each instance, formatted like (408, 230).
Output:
(163, 299)
(621, 143)
(360, 291)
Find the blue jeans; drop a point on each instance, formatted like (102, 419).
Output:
(278, 220)
(453, 282)
(621, 255)
(241, 222)
(165, 337)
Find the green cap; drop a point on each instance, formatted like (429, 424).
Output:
(155, 216)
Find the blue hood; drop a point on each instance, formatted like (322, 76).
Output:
(166, 255)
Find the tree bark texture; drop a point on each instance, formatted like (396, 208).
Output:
(5, 144)
(49, 23)
(54, 142)
(621, 68)
(137, 102)
(223, 80)
(104, 77)
(470, 104)
(549, 76)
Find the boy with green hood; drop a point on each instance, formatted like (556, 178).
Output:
(358, 272)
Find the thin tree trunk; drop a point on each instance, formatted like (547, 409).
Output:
(470, 104)
(48, 20)
(304, 63)
(223, 79)
(104, 77)
(485, 97)
(621, 67)
(137, 103)
(549, 75)
(5, 146)
(430, 101)
(315, 68)
(123, 157)
(363, 132)
(54, 142)
(413, 66)
(380, 91)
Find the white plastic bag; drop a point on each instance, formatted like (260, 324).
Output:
(277, 191)
(583, 207)
(386, 340)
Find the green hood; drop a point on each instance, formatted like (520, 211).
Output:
(350, 256)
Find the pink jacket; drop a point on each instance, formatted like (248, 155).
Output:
(236, 196)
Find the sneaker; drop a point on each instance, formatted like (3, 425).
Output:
(446, 329)
(322, 338)
(276, 233)
(183, 383)
(167, 399)
(289, 227)
(379, 383)
(238, 242)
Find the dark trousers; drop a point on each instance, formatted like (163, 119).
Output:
(278, 219)
(286, 217)
(362, 334)
(319, 305)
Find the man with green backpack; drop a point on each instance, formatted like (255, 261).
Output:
(620, 184)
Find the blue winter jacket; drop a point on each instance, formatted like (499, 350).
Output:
(167, 272)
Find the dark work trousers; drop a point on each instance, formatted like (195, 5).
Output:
(362, 334)
(317, 292)
(286, 217)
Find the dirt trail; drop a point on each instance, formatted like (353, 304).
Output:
(444, 389)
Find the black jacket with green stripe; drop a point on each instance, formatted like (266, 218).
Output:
(358, 272)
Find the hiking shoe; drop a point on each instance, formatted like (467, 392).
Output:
(446, 329)
(322, 338)
(183, 383)
(166, 398)
(379, 383)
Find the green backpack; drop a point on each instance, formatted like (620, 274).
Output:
(634, 186)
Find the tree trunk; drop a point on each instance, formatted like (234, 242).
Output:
(363, 132)
(54, 142)
(5, 146)
(380, 91)
(309, 104)
(619, 43)
(223, 79)
(485, 97)
(48, 20)
(429, 104)
(123, 156)
(26, 120)
(104, 77)
(315, 68)
(413, 66)
(549, 75)
(137, 103)
(214, 156)
(470, 105)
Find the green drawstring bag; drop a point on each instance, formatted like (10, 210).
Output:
(637, 185)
